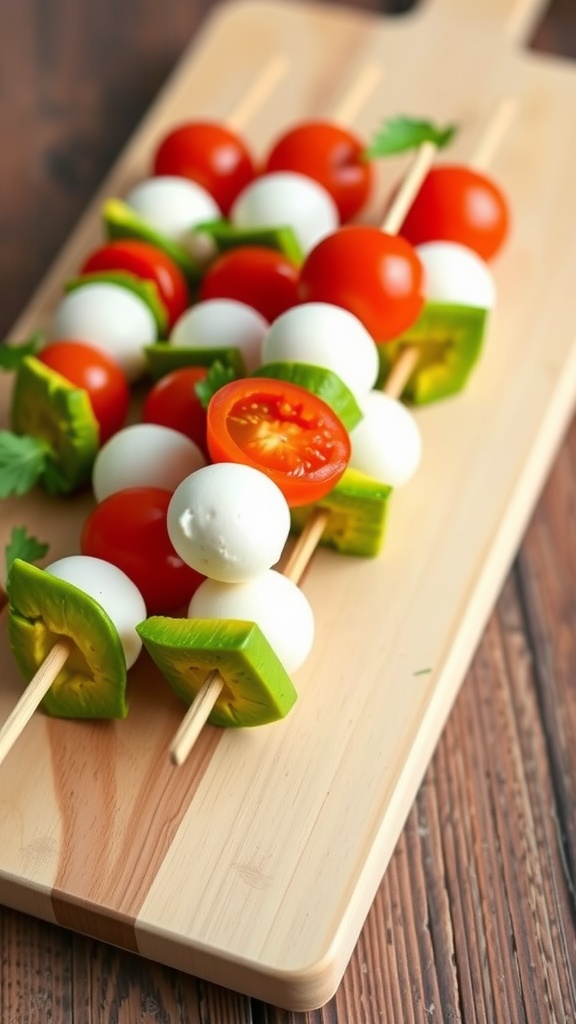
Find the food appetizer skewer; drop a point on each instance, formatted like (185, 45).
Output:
(212, 688)
(201, 707)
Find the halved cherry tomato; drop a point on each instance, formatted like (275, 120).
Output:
(458, 204)
(376, 276)
(149, 263)
(282, 430)
(129, 529)
(173, 402)
(332, 156)
(98, 374)
(262, 278)
(210, 154)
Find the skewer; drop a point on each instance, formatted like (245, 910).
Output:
(248, 106)
(498, 123)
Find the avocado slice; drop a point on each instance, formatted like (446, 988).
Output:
(257, 689)
(358, 507)
(450, 338)
(146, 290)
(46, 406)
(42, 610)
(165, 357)
(226, 235)
(121, 221)
(320, 381)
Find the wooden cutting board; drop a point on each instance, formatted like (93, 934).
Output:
(254, 865)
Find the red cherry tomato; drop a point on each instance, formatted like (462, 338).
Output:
(282, 430)
(173, 402)
(376, 276)
(149, 263)
(98, 374)
(458, 204)
(332, 156)
(129, 529)
(262, 278)
(209, 154)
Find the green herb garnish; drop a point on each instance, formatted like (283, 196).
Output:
(399, 134)
(218, 375)
(22, 460)
(11, 356)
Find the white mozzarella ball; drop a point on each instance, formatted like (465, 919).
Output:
(173, 206)
(222, 323)
(287, 198)
(229, 521)
(111, 318)
(454, 273)
(111, 588)
(325, 335)
(144, 455)
(270, 600)
(386, 444)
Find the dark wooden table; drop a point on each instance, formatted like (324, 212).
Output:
(475, 920)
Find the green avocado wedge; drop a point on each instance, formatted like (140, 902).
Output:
(257, 689)
(163, 358)
(42, 610)
(358, 507)
(450, 339)
(121, 221)
(60, 416)
(224, 235)
(147, 291)
(322, 382)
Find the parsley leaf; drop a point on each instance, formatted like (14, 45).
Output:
(23, 545)
(22, 460)
(218, 375)
(12, 355)
(398, 134)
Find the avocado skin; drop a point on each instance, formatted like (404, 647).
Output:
(46, 406)
(358, 507)
(226, 236)
(257, 689)
(322, 382)
(450, 338)
(121, 221)
(42, 610)
(164, 357)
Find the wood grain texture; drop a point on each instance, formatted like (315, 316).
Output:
(481, 887)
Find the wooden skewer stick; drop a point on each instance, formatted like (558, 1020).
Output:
(258, 93)
(33, 694)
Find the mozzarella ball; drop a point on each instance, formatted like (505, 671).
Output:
(222, 323)
(328, 336)
(173, 206)
(228, 521)
(111, 318)
(386, 444)
(285, 198)
(270, 600)
(453, 273)
(111, 588)
(144, 455)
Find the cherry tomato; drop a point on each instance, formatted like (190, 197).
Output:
(458, 204)
(209, 154)
(262, 278)
(282, 430)
(332, 156)
(129, 529)
(149, 263)
(376, 276)
(173, 402)
(98, 374)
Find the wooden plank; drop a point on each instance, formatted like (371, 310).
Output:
(226, 788)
